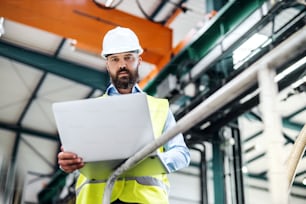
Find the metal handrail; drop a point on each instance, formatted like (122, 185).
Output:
(287, 50)
(295, 156)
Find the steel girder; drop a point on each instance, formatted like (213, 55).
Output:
(81, 74)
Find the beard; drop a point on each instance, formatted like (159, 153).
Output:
(125, 82)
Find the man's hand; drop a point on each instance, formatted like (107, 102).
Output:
(69, 161)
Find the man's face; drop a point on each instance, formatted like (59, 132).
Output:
(123, 69)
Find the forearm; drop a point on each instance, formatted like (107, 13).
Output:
(176, 158)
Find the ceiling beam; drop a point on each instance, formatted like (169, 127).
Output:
(81, 74)
(29, 131)
(87, 23)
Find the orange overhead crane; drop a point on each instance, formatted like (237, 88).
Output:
(85, 22)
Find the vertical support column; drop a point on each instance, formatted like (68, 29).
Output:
(237, 151)
(203, 169)
(273, 136)
(218, 169)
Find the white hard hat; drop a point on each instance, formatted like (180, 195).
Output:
(120, 40)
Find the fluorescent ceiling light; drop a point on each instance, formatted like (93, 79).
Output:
(249, 96)
(249, 48)
(278, 78)
(299, 82)
(290, 69)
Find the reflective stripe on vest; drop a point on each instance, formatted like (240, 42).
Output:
(92, 190)
(144, 180)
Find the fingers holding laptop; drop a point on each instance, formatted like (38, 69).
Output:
(69, 161)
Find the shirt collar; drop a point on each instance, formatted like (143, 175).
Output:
(111, 90)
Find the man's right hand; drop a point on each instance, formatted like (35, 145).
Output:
(69, 161)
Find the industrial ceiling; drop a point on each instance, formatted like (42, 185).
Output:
(50, 52)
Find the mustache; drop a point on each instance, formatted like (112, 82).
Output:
(122, 69)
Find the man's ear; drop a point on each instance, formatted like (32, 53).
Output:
(139, 60)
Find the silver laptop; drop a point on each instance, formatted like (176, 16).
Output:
(105, 131)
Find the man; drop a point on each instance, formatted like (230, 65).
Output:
(122, 51)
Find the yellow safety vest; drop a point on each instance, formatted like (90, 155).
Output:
(145, 189)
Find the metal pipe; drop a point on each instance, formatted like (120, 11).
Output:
(287, 50)
(296, 154)
(203, 173)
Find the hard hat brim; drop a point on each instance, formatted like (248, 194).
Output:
(138, 51)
